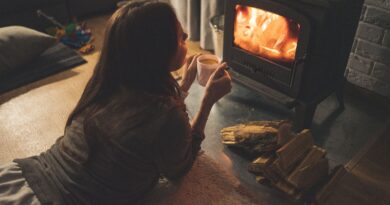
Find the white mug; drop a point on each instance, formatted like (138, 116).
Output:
(206, 65)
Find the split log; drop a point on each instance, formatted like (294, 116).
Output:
(259, 164)
(295, 150)
(308, 176)
(262, 180)
(287, 161)
(286, 187)
(277, 167)
(285, 134)
(270, 173)
(310, 160)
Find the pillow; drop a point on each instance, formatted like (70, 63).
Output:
(19, 45)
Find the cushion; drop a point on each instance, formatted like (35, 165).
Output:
(20, 45)
(57, 58)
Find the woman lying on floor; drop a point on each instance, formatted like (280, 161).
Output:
(130, 125)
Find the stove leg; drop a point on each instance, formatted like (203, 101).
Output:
(303, 115)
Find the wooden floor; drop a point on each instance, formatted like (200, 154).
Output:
(366, 178)
(33, 117)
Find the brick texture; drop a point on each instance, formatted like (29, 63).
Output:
(369, 62)
(361, 64)
(373, 51)
(370, 32)
(377, 16)
(369, 83)
(379, 3)
(381, 71)
(386, 39)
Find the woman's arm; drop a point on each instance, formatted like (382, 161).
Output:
(218, 86)
(180, 142)
(177, 146)
(199, 122)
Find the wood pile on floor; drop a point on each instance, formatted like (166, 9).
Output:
(287, 161)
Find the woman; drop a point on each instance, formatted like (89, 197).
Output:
(130, 125)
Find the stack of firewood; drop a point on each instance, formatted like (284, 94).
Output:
(294, 166)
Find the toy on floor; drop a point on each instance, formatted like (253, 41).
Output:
(74, 35)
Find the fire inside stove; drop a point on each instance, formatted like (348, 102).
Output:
(266, 34)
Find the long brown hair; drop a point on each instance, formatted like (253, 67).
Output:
(140, 42)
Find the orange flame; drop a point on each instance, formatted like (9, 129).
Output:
(265, 33)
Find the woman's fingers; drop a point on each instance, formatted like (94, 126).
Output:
(220, 71)
(189, 60)
(192, 60)
(228, 75)
(224, 79)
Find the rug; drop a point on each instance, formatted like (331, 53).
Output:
(206, 183)
(55, 59)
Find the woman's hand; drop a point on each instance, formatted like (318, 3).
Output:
(219, 84)
(189, 73)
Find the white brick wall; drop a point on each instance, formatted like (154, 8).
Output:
(369, 62)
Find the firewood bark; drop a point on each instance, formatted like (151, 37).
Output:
(253, 137)
(249, 133)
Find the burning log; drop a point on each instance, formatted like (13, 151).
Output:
(265, 34)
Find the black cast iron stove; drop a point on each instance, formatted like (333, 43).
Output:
(294, 51)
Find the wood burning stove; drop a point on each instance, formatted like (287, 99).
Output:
(294, 51)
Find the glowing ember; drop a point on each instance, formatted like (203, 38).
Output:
(265, 34)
